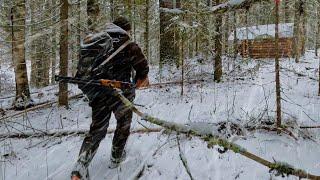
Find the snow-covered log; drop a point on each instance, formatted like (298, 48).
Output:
(212, 139)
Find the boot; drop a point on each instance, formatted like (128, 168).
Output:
(115, 161)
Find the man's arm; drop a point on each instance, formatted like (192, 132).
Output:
(140, 65)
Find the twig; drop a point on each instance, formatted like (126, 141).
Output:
(271, 128)
(300, 74)
(184, 159)
(309, 127)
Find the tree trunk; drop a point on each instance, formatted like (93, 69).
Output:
(63, 87)
(297, 29)
(93, 12)
(277, 67)
(226, 34)
(53, 43)
(182, 36)
(235, 39)
(18, 14)
(112, 9)
(218, 47)
(197, 40)
(40, 46)
(33, 53)
(286, 11)
(168, 48)
(146, 33)
(318, 42)
(318, 30)
(75, 37)
(246, 44)
(303, 28)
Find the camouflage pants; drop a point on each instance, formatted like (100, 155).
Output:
(101, 113)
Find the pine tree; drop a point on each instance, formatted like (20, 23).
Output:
(286, 11)
(298, 30)
(93, 11)
(53, 40)
(63, 87)
(218, 47)
(277, 66)
(18, 14)
(40, 45)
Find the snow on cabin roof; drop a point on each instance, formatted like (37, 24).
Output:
(263, 31)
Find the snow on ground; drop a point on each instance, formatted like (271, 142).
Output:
(246, 96)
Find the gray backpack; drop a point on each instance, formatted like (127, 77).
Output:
(96, 50)
(92, 48)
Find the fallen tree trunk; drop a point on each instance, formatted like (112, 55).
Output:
(47, 104)
(60, 133)
(212, 139)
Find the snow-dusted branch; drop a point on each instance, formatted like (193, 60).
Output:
(221, 8)
(60, 133)
(233, 5)
(213, 139)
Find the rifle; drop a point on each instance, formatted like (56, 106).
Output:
(101, 82)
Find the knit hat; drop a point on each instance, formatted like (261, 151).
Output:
(123, 23)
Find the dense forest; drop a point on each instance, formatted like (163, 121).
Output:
(234, 89)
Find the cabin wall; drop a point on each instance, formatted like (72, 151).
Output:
(265, 48)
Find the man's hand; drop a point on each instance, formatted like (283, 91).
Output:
(142, 83)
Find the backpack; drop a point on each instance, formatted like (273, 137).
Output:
(97, 49)
(92, 48)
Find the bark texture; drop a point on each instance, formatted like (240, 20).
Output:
(18, 14)
(277, 67)
(218, 48)
(63, 87)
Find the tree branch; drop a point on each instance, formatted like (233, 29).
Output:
(61, 133)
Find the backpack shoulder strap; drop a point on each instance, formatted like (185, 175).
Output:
(124, 45)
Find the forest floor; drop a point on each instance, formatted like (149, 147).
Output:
(245, 97)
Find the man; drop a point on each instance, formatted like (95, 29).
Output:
(103, 103)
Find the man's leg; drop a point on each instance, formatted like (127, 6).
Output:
(98, 129)
(124, 118)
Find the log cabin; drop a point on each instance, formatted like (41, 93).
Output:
(258, 42)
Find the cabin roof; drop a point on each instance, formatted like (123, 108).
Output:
(263, 31)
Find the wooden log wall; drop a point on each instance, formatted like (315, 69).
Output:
(265, 48)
